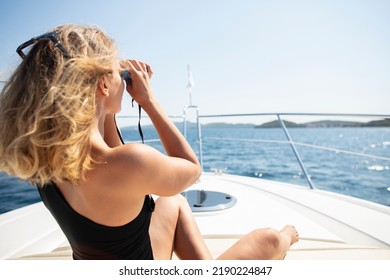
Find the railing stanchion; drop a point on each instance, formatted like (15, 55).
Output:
(199, 137)
(185, 123)
(295, 152)
(199, 129)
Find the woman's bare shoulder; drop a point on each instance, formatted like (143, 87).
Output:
(151, 169)
(131, 154)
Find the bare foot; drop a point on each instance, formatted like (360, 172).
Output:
(291, 233)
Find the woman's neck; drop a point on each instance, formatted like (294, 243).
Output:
(97, 134)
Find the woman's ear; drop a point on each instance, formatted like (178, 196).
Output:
(103, 86)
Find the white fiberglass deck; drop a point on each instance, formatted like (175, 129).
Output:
(331, 226)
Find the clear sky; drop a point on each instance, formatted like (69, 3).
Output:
(245, 56)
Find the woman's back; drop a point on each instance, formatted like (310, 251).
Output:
(91, 240)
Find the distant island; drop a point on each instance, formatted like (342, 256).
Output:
(327, 123)
(275, 124)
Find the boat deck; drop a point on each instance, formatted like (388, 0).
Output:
(331, 226)
(303, 250)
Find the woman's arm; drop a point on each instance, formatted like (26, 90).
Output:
(164, 174)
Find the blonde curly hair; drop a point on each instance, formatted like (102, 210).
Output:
(47, 107)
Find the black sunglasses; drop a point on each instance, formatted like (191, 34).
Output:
(47, 36)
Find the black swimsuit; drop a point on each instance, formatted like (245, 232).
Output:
(90, 240)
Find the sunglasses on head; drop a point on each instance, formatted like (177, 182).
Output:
(47, 36)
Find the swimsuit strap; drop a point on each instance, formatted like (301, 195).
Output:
(139, 121)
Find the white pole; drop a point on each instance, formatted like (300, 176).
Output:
(190, 97)
(190, 84)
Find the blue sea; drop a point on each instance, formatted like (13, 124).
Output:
(333, 158)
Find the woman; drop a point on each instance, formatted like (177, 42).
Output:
(58, 130)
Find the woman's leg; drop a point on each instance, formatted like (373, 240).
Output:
(262, 244)
(173, 229)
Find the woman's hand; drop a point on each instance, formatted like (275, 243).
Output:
(162, 174)
(138, 85)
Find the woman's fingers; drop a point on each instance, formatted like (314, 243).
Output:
(133, 65)
(138, 83)
(149, 70)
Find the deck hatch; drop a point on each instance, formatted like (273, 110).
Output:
(205, 201)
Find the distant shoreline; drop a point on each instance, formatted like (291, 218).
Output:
(326, 124)
(316, 124)
(275, 124)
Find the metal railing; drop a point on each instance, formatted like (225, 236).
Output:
(283, 126)
(290, 141)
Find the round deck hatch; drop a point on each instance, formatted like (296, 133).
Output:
(204, 201)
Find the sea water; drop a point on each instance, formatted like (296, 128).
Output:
(334, 159)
